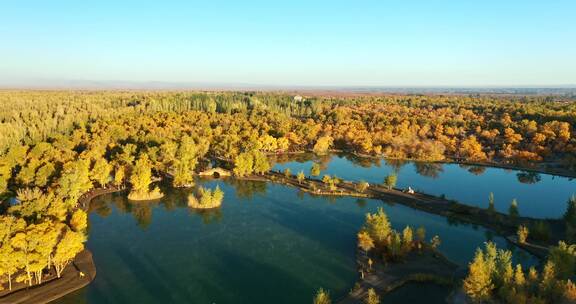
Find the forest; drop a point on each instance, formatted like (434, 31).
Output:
(56, 146)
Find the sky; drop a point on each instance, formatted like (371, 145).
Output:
(291, 43)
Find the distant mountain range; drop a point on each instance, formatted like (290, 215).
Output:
(568, 90)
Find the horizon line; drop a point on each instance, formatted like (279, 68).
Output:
(78, 84)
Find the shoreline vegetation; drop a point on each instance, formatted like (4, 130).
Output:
(155, 194)
(141, 179)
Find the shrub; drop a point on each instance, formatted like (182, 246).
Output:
(522, 234)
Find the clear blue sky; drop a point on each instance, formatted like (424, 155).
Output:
(371, 43)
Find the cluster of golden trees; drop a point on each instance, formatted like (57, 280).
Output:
(323, 297)
(207, 198)
(492, 277)
(38, 238)
(392, 245)
(480, 128)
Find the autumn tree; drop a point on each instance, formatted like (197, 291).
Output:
(44, 174)
(141, 176)
(243, 164)
(522, 234)
(390, 181)
(315, 170)
(491, 207)
(79, 220)
(407, 239)
(300, 177)
(563, 256)
(75, 181)
(478, 284)
(372, 297)
(377, 225)
(472, 149)
(323, 144)
(185, 163)
(261, 163)
(70, 245)
(119, 176)
(513, 210)
(101, 172)
(10, 258)
(207, 198)
(435, 242)
(421, 234)
(365, 241)
(140, 179)
(569, 292)
(322, 297)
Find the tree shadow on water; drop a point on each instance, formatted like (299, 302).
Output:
(225, 277)
(244, 279)
(158, 287)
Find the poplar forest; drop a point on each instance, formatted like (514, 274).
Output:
(63, 152)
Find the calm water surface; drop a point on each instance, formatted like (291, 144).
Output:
(538, 195)
(267, 243)
(417, 293)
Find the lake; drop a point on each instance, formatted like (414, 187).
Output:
(538, 195)
(266, 243)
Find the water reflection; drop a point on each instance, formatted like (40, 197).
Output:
(528, 177)
(361, 202)
(539, 195)
(209, 216)
(364, 162)
(142, 211)
(247, 189)
(476, 170)
(418, 293)
(431, 170)
(396, 164)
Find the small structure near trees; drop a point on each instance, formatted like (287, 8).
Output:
(215, 172)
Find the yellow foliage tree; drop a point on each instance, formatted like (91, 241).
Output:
(365, 241)
(79, 220)
(478, 284)
(70, 245)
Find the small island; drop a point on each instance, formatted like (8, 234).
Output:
(141, 179)
(388, 259)
(206, 198)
